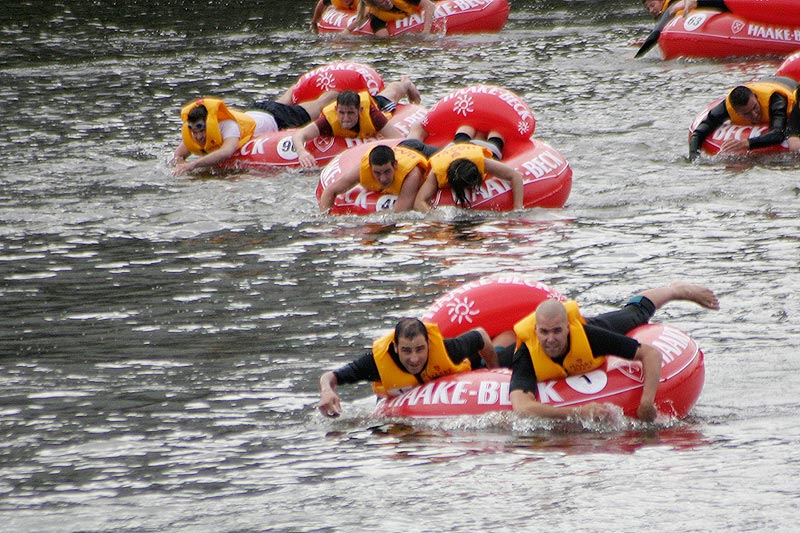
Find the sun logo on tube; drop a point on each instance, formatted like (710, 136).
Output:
(463, 105)
(461, 310)
(523, 127)
(325, 81)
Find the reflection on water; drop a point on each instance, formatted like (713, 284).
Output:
(163, 337)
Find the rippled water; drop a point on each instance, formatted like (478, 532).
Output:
(162, 338)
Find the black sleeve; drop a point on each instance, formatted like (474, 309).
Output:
(466, 346)
(793, 126)
(362, 369)
(714, 119)
(716, 4)
(523, 377)
(604, 342)
(778, 105)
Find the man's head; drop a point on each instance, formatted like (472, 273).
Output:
(653, 6)
(196, 122)
(348, 109)
(383, 164)
(411, 344)
(552, 328)
(745, 103)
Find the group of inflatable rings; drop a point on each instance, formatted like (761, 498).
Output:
(496, 303)
(546, 173)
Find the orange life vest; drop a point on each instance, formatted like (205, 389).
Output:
(407, 160)
(395, 380)
(344, 5)
(401, 11)
(440, 161)
(365, 126)
(763, 90)
(578, 360)
(217, 112)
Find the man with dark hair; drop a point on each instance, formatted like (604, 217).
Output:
(214, 131)
(414, 353)
(767, 101)
(656, 7)
(356, 115)
(396, 171)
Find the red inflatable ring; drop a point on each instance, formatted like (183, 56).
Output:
(337, 77)
(485, 108)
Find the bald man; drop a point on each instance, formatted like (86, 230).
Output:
(556, 341)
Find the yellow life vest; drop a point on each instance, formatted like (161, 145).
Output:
(365, 126)
(578, 360)
(395, 380)
(665, 5)
(401, 11)
(440, 161)
(407, 160)
(217, 111)
(763, 90)
(344, 5)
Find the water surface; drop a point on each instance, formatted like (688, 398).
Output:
(163, 337)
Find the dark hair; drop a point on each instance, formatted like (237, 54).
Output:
(348, 98)
(462, 175)
(380, 155)
(739, 96)
(408, 328)
(197, 113)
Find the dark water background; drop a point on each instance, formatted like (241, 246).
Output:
(162, 338)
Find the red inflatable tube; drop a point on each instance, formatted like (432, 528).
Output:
(485, 108)
(714, 34)
(727, 131)
(336, 77)
(790, 66)
(781, 12)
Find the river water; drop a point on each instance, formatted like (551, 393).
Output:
(162, 338)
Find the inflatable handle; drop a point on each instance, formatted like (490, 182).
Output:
(336, 77)
(790, 67)
(485, 108)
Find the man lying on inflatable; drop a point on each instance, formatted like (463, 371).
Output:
(399, 171)
(765, 101)
(555, 341)
(356, 115)
(414, 353)
(213, 131)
